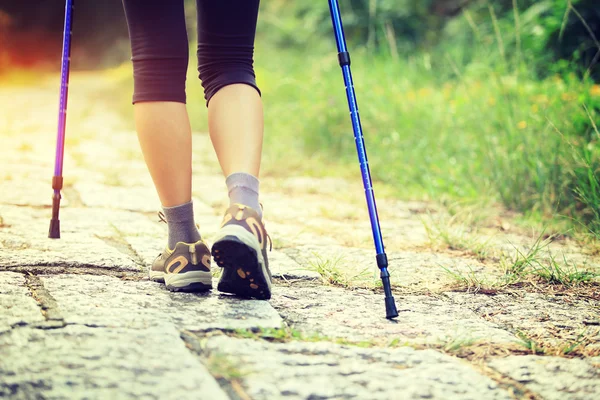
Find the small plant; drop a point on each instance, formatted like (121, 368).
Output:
(544, 266)
(471, 282)
(529, 343)
(567, 274)
(522, 261)
(455, 235)
(286, 334)
(222, 367)
(454, 345)
(583, 345)
(332, 271)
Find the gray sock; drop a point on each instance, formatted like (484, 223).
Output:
(243, 189)
(182, 228)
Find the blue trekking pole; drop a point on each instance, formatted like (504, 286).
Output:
(344, 59)
(57, 179)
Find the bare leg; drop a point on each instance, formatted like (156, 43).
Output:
(235, 120)
(165, 137)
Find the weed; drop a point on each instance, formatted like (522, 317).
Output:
(333, 271)
(454, 345)
(522, 261)
(454, 235)
(529, 343)
(544, 266)
(223, 367)
(582, 345)
(566, 274)
(470, 282)
(287, 334)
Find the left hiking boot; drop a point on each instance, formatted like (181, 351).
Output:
(184, 269)
(240, 248)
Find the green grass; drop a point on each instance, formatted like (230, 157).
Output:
(287, 334)
(540, 262)
(456, 233)
(222, 366)
(471, 282)
(335, 271)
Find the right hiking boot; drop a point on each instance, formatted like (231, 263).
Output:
(184, 269)
(240, 248)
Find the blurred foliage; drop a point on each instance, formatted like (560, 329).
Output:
(541, 31)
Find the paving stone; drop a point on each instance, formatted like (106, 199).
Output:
(33, 223)
(359, 315)
(202, 209)
(553, 378)
(17, 307)
(299, 370)
(283, 266)
(108, 301)
(90, 237)
(550, 320)
(285, 235)
(32, 192)
(147, 248)
(211, 190)
(71, 251)
(133, 198)
(84, 362)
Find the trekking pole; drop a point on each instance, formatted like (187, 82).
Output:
(57, 179)
(344, 60)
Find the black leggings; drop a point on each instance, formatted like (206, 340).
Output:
(159, 46)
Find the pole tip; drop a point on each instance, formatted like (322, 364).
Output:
(54, 232)
(390, 308)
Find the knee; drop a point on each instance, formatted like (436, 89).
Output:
(219, 66)
(160, 78)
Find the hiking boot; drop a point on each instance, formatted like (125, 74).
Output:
(184, 269)
(240, 248)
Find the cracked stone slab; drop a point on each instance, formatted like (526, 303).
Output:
(553, 378)
(109, 301)
(548, 319)
(92, 238)
(84, 362)
(359, 315)
(71, 251)
(298, 370)
(17, 307)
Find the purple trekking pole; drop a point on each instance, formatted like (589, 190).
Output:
(344, 60)
(57, 179)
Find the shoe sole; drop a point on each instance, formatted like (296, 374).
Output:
(238, 252)
(193, 281)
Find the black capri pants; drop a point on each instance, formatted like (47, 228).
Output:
(159, 46)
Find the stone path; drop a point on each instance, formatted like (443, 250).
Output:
(79, 318)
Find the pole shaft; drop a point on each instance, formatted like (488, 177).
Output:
(356, 125)
(64, 90)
